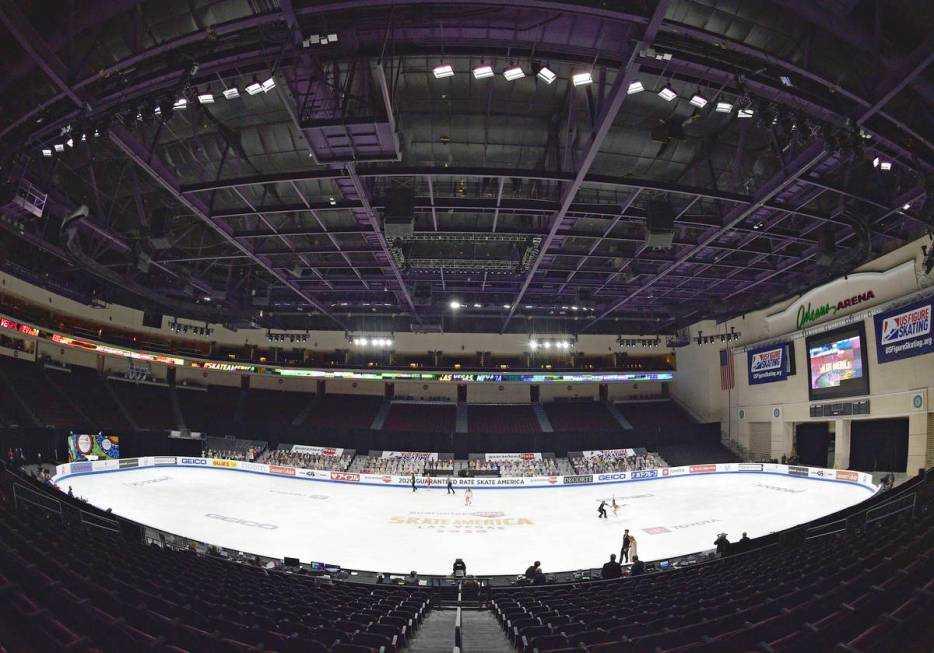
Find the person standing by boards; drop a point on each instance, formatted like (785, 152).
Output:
(627, 542)
(450, 486)
(413, 482)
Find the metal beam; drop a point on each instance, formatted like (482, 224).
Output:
(624, 76)
(806, 160)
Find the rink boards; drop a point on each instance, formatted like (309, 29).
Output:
(376, 522)
(481, 483)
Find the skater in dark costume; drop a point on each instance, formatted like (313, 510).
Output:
(601, 511)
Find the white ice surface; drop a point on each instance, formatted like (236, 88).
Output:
(393, 529)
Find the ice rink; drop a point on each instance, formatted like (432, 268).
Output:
(392, 529)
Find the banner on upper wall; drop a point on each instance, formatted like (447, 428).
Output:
(609, 453)
(317, 451)
(904, 332)
(768, 364)
(511, 457)
(422, 455)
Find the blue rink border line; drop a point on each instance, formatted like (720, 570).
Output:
(442, 486)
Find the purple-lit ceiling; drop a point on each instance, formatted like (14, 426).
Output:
(530, 197)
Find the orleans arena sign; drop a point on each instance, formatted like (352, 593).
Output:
(808, 314)
(841, 296)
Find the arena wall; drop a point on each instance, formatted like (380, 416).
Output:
(894, 386)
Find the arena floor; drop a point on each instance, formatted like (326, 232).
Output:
(392, 529)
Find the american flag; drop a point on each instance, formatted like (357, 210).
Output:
(727, 379)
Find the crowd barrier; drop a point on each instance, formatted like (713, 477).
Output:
(816, 473)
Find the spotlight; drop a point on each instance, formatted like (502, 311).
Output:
(885, 166)
(582, 79)
(514, 73)
(268, 85)
(699, 101)
(231, 93)
(482, 72)
(206, 98)
(724, 107)
(506, 306)
(478, 305)
(745, 113)
(332, 201)
(547, 344)
(70, 142)
(46, 152)
(533, 344)
(59, 147)
(786, 81)
(443, 71)
(635, 87)
(875, 162)
(455, 305)
(254, 88)
(546, 75)
(667, 94)
(905, 207)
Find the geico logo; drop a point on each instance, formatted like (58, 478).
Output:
(611, 477)
(194, 461)
(242, 522)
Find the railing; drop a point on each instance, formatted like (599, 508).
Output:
(25, 494)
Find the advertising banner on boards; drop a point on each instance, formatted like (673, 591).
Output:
(904, 332)
(768, 364)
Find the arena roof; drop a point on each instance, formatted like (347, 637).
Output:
(798, 145)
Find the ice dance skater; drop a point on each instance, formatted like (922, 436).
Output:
(615, 507)
(627, 542)
(468, 497)
(601, 510)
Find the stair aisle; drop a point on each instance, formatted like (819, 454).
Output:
(436, 633)
(481, 632)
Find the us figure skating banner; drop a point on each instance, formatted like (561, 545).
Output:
(86, 446)
(768, 364)
(904, 332)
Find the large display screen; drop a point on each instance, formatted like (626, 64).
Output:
(837, 364)
(87, 446)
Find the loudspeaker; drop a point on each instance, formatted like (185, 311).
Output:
(399, 211)
(659, 224)
(422, 295)
(152, 319)
(157, 235)
(826, 246)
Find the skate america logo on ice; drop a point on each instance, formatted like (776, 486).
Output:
(242, 522)
(462, 525)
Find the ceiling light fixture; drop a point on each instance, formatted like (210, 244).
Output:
(46, 152)
(254, 87)
(667, 94)
(206, 98)
(745, 113)
(699, 101)
(885, 166)
(482, 72)
(723, 107)
(514, 73)
(231, 93)
(547, 75)
(180, 103)
(635, 87)
(268, 85)
(455, 305)
(442, 71)
(582, 79)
